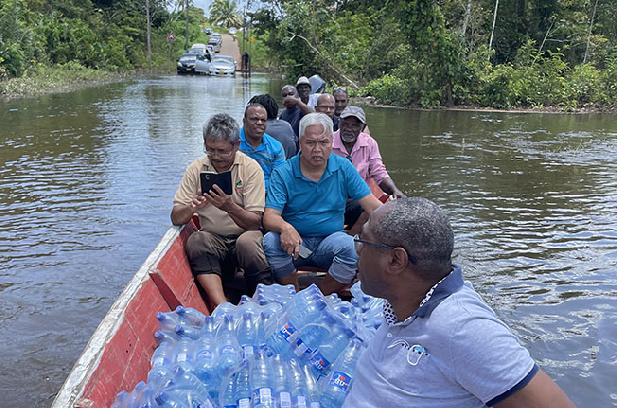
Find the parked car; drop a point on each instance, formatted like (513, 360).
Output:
(222, 65)
(233, 30)
(193, 62)
(208, 30)
(216, 40)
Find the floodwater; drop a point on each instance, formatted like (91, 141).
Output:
(87, 180)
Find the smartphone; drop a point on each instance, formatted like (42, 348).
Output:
(209, 179)
(305, 252)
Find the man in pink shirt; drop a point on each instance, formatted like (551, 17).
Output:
(352, 143)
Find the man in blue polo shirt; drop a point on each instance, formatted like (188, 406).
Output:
(257, 144)
(441, 345)
(305, 209)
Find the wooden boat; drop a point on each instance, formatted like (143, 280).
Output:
(117, 355)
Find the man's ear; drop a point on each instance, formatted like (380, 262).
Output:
(398, 261)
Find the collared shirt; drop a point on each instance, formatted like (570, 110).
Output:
(451, 352)
(284, 133)
(292, 116)
(315, 208)
(248, 192)
(364, 155)
(269, 154)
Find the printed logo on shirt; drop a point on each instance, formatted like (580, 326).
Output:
(414, 353)
(239, 186)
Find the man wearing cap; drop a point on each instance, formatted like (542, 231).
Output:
(294, 110)
(325, 104)
(351, 142)
(304, 91)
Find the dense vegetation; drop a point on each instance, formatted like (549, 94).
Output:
(426, 52)
(515, 53)
(99, 34)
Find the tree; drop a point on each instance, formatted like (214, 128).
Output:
(225, 13)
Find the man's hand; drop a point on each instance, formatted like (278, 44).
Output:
(290, 240)
(219, 199)
(290, 101)
(198, 202)
(398, 193)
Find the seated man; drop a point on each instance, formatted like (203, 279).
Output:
(294, 110)
(257, 144)
(275, 127)
(441, 345)
(325, 104)
(352, 143)
(305, 206)
(229, 234)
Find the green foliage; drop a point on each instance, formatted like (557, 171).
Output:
(225, 13)
(389, 90)
(100, 34)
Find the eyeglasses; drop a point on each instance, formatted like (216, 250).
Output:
(219, 153)
(358, 242)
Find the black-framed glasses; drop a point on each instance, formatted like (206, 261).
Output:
(358, 241)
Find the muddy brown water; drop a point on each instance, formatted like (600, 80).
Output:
(87, 179)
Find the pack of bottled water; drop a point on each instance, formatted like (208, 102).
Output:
(278, 349)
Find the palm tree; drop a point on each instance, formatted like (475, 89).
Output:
(225, 13)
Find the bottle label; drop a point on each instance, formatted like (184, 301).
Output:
(181, 357)
(340, 380)
(287, 331)
(320, 362)
(244, 403)
(301, 349)
(301, 401)
(262, 396)
(285, 399)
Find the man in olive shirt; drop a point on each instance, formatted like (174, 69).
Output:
(229, 234)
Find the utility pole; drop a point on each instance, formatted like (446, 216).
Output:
(148, 34)
(186, 30)
(593, 16)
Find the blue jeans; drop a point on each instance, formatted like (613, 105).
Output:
(334, 252)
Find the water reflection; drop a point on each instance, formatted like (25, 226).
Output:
(87, 179)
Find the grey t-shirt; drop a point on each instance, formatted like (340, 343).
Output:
(458, 354)
(284, 133)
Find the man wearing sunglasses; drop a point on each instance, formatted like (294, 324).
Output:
(230, 233)
(441, 345)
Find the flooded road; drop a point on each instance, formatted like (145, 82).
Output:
(87, 181)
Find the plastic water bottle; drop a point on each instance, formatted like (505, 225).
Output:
(164, 355)
(246, 331)
(190, 316)
(280, 385)
(185, 348)
(261, 382)
(242, 384)
(160, 377)
(329, 350)
(205, 360)
(162, 336)
(228, 349)
(306, 307)
(168, 321)
(336, 385)
(222, 310)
